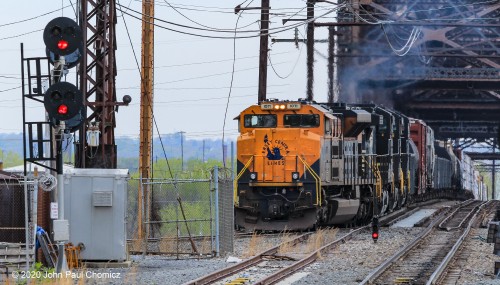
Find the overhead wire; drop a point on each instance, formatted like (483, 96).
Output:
(201, 76)
(232, 80)
(203, 28)
(202, 62)
(278, 30)
(209, 9)
(35, 17)
(20, 35)
(195, 22)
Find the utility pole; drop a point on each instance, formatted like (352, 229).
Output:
(146, 122)
(331, 64)
(310, 50)
(203, 151)
(264, 45)
(264, 48)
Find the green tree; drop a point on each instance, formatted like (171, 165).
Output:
(10, 159)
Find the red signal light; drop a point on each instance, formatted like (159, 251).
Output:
(62, 44)
(375, 235)
(62, 109)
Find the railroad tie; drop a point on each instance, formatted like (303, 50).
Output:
(238, 281)
(403, 280)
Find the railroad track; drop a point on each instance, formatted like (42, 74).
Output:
(246, 264)
(269, 267)
(450, 273)
(424, 259)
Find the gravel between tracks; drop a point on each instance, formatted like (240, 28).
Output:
(347, 264)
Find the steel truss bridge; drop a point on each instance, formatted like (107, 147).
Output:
(434, 60)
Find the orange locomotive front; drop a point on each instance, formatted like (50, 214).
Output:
(278, 165)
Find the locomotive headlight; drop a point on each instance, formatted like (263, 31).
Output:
(282, 107)
(295, 175)
(253, 175)
(277, 107)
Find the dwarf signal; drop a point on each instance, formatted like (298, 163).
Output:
(375, 229)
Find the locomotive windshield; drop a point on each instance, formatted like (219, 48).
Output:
(302, 120)
(260, 121)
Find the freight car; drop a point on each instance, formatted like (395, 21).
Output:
(301, 164)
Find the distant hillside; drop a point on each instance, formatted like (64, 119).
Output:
(128, 148)
(193, 149)
(12, 143)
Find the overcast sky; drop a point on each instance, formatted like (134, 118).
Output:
(192, 73)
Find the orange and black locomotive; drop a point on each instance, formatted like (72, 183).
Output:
(301, 164)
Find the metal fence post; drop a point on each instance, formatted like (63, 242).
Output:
(26, 224)
(211, 216)
(217, 229)
(141, 224)
(35, 210)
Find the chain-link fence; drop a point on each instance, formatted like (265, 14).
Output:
(12, 218)
(18, 222)
(179, 216)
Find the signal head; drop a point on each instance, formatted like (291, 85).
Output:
(62, 36)
(63, 101)
(375, 229)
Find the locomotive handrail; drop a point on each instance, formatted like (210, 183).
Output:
(316, 178)
(235, 186)
(378, 178)
(401, 180)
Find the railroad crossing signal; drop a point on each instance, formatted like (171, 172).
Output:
(375, 229)
(63, 101)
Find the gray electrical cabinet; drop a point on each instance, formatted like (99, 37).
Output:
(95, 204)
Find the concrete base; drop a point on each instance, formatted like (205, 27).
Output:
(110, 264)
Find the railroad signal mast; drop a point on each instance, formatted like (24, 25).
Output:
(63, 102)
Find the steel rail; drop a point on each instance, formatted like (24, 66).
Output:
(463, 220)
(437, 274)
(217, 275)
(464, 204)
(377, 272)
(386, 264)
(312, 257)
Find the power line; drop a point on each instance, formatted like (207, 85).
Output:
(13, 88)
(193, 21)
(35, 17)
(204, 62)
(203, 88)
(200, 77)
(278, 30)
(20, 35)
